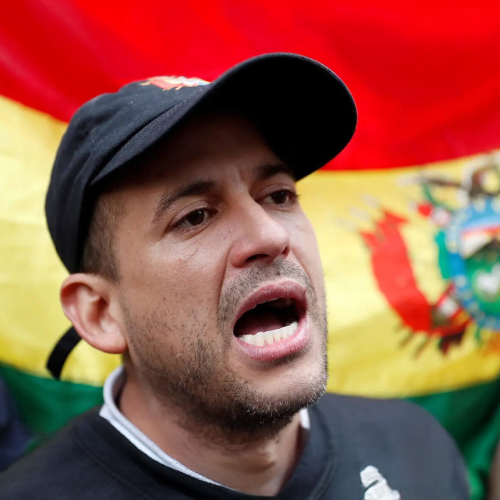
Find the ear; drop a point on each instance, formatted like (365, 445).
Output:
(90, 303)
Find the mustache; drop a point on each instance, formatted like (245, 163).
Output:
(252, 278)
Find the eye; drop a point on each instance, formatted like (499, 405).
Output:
(193, 219)
(284, 198)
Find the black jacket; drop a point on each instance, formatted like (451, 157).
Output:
(92, 460)
(14, 437)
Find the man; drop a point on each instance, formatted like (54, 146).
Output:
(173, 205)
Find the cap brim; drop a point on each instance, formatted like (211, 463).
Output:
(304, 111)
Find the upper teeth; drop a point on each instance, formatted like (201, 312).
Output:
(270, 337)
(286, 302)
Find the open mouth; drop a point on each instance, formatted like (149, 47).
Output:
(269, 321)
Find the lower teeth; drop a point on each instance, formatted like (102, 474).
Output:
(270, 337)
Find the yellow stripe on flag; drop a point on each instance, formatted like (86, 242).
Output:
(371, 351)
(31, 319)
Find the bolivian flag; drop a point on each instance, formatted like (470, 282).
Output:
(408, 217)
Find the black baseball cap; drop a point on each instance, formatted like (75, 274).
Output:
(303, 110)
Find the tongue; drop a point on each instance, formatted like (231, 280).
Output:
(255, 322)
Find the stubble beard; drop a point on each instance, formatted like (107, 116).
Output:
(197, 385)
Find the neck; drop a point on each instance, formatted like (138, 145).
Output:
(255, 465)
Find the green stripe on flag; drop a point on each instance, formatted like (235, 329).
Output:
(45, 405)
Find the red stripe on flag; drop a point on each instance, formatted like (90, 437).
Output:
(424, 76)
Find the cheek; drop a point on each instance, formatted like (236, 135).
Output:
(182, 283)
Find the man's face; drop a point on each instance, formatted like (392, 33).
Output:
(213, 251)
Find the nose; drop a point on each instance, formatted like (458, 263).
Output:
(260, 236)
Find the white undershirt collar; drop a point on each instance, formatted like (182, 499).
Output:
(115, 417)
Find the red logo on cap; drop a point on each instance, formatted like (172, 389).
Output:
(174, 82)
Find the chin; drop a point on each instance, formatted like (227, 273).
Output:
(298, 383)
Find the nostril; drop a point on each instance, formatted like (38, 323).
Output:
(257, 257)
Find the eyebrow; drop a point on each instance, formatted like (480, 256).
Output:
(166, 200)
(199, 187)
